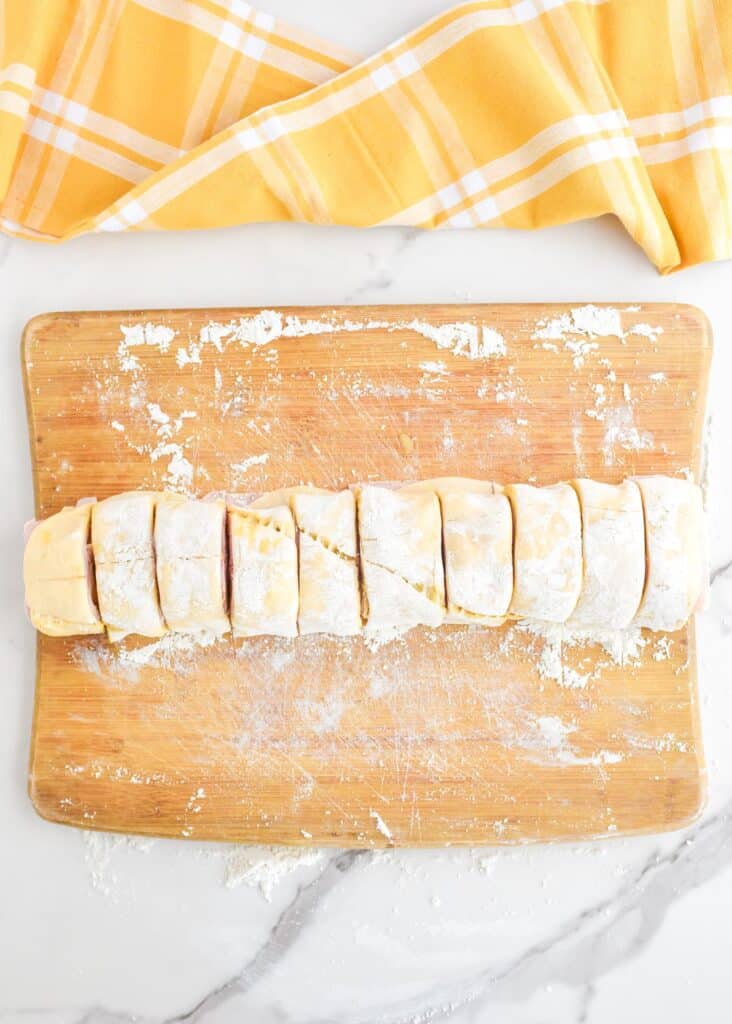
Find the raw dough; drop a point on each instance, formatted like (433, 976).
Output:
(613, 550)
(675, 552)
(57, 572)
(477, 536)
(264, 586)
(191, 564)
(595, 555)
(400, 536)
(547, 551)
(330, 599)
(124, 555)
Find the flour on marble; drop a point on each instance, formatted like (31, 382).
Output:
(99, 851)
(266, 867)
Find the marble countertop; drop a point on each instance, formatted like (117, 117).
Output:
(103, 929)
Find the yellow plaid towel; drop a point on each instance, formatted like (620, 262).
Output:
(141, 114)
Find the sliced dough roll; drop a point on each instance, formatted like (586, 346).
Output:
(676, 565)
(547, 551)
(400, 537)
(477, 535)
(330, 597)
(124, 556)
(263, 566)
(191, 566)
(57, 573)
(614, 554)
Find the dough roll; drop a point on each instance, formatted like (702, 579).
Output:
(373, 559)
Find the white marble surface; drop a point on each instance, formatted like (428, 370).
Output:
(104, 932)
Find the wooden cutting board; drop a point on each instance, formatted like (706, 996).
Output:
(454, 736)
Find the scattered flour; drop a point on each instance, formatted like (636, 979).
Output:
(462, 339)
(623, 647)
(265, 867)
(99, 850)
(157, 335)
(239, 470)
(621, 432)
(591, 322)
(262, 867)
(381, 825)
(554, 736)
(176, 651)
(473, 341)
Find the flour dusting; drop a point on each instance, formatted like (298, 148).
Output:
(136, 335)
(621, 432)
(99, 851)
(265, 867)
(177, 651)
(591, 322)
(473, 341)
(381, 826)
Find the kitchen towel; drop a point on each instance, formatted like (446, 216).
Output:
(167, 114)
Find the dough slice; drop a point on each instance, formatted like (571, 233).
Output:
(124, 556)
(191, 564)
(547, 551)
(330, 598)
(58, 577)
(477, 540)
(478, 537)
(263, 559)
(400, 536)
(676, 565)
(614, 554)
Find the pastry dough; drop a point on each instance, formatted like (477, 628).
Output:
(305, 560)
(675, 552)
(400, 537)
(264, 586)
(124, 555)
(477, 541)
(57, 574)
(613, 551)
(330, 599)
(191, 564)
(547, 551)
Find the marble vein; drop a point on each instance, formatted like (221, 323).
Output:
(588, 945)
(289, 926)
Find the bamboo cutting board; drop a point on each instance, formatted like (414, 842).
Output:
(459, 735)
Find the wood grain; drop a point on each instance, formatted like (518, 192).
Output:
(445, 737)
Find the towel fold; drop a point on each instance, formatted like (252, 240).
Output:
(156, 114)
